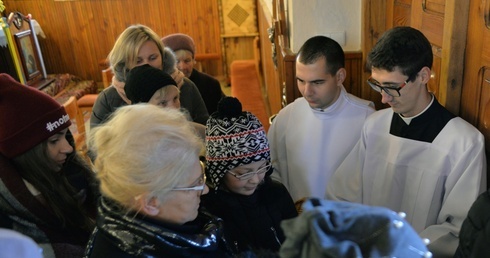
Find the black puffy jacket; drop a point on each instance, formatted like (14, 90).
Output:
(474, 237)
(252, 222)
(118, 234)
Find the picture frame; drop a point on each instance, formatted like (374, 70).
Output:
(28, 54)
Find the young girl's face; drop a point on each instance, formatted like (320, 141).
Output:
(168, 98)
(59, 148)
(245, 179)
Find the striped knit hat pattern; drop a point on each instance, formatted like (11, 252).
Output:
(233, 138)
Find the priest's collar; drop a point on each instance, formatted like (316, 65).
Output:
(407, 120)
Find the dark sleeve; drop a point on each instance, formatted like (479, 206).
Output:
(191, 100)
(482, 243)
(474, 236)
(217, 95)
(101, 109)
(283, 199)
(288, 207)
(5, 221)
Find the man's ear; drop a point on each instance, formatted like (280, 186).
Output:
(425, 74)
(149, 205)
(341, 73)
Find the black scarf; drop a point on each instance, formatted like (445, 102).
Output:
(141, 236)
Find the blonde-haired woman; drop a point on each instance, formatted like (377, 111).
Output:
(151, 182)
(135, 46)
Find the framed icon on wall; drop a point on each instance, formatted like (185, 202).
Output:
(28, 54)
(26, 51)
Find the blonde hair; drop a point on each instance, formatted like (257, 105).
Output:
(144, 150)
(124, 54)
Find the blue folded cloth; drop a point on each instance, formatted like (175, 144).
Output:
(342, 229)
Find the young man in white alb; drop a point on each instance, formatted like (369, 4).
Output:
(310, 137)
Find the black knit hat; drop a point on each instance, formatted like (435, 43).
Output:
(233, 138)
(143, 81)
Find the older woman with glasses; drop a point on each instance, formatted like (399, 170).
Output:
(251, 204)
(151, 181)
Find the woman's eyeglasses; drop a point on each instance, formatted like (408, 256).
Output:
(392, 90)
(201, 185)
(249, 175)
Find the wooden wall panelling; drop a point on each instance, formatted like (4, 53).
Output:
(285, 66)
(443, 22)
(398, 13)
(453, 48)
(288, 61)
(269, 71)
(373, 26)
(484, 101)
(80, 33)
(285, 57)
(475, 98)
(354, 68)
(477, 57)
(239, 23)
(484, 112)
(429, 20)
(238, 48)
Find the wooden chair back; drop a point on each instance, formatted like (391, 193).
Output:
(78, 122)
(87, 101)
(107, 77)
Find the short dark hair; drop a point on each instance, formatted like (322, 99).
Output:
(403, 48)
(321, 46)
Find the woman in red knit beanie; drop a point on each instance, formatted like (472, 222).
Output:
(47, 191)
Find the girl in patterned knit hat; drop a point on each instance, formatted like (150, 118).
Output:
(242, 193)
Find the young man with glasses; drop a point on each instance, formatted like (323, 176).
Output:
(415, 157)
(250, 203)
(310, 137)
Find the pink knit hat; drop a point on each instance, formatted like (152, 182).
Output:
(27, 117)
(179, 41)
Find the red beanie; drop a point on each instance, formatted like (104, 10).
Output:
(27, 117)
(179, 41)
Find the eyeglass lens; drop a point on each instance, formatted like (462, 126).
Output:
(394, 92)
(251, 174)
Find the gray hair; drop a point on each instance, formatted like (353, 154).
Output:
(143, 149)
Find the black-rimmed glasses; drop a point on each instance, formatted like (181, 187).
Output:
(249, 175)
(392, 89)
(200, 187)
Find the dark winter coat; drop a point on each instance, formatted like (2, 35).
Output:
(24, 213)
(119, 234)
(209, 88)
(253, 222)
(474, 236)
